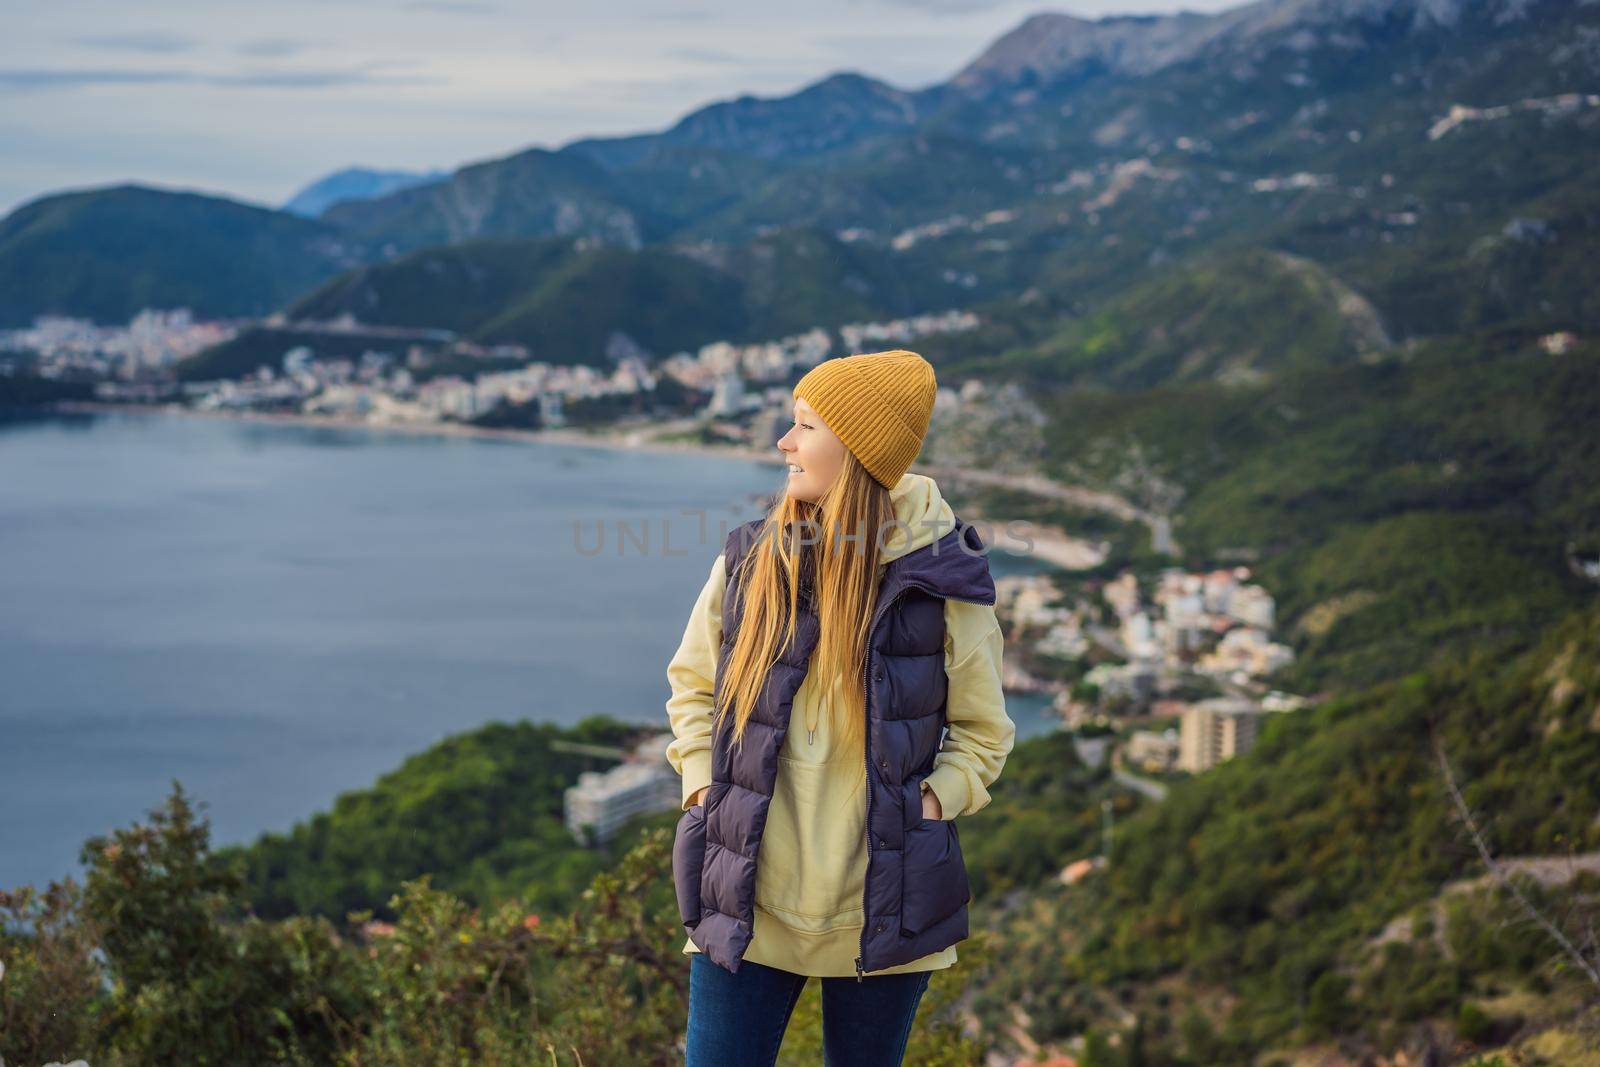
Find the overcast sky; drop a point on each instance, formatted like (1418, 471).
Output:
(255, 100)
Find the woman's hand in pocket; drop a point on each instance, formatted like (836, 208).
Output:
(930, 805)
(699, 796)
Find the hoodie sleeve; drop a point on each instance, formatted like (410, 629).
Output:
(980, 734)
(692, 675)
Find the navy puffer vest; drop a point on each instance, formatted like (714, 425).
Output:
(916, 893)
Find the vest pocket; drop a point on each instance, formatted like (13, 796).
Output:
(934, 877)
(688, 857)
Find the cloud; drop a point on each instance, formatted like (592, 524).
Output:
(877, 43)
(709, 55)
(37, 80)
(318, 79)
(271, 47)
(687, 14)
(453, 7)
(69, 79)
(704, 89)
(949, 7)
(162, 43)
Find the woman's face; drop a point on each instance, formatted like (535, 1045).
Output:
(812, 447)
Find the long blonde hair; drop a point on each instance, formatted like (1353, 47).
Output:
(832, 546)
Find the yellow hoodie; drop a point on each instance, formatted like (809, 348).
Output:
(813, 860)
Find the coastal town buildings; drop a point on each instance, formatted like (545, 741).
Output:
(1217, 729)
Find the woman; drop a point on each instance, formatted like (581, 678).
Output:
(860, 611)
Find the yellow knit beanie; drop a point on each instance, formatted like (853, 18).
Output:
(878, 404)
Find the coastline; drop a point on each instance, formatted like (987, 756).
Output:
(629, 442)
(1048, 544)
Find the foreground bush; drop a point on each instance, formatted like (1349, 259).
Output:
(155, 960)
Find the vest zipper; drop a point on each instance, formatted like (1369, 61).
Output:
(866, 754)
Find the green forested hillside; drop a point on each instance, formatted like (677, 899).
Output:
(106, 254)
(1239, 318)
(452, 287)
(564, 300)
(533, 193)
(1239, 914)
(481, 812)
(1419, 517)
(1048, 813)
(1400, 511)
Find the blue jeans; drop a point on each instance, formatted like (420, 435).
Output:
(738, 1020)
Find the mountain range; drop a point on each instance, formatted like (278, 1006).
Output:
(1110, 151)
(354, 183)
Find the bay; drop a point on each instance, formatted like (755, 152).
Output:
(274, 613)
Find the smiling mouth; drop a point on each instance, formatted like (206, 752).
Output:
(796, 470)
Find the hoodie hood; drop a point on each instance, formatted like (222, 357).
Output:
(924, 514)
(934, 549)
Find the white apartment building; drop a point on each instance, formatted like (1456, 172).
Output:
(602, 801)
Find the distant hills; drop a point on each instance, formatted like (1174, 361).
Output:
(105, 254)
(1428, 162)
(354, 183)
(562, 300)
(1052, 47)
(1236, 318)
